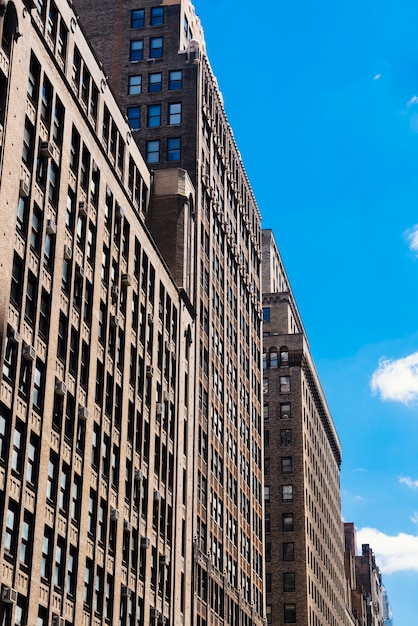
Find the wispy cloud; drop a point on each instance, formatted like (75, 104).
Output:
(413, 100)
(397, 379)
(411, 235)
(393, 553)
(377, 76)
(414, 518)
(413, 484)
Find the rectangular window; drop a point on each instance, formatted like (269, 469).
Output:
(288, 551)
(286, 465)
(134, 117)
(173, 149)
(175, 79)
(285, 436)
(174, 113)
(288, 522)
(266, 314)
(154, 115)
(136, 50)
(137, 18)
(284, 384)
(155, 47)
(155, 82)
(153, 151)
(157, 16)
(285, 411)
(134, 85)
(289, 613)
(287, 493)
(289, 581)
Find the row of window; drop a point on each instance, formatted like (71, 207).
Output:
(155, 49)
(156, 17)
(289, 613)
(286, 491)
(172, 151)
(273, 358)
(284, 384)
(155, 82)
(154, 115)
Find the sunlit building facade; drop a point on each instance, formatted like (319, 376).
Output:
(305, 578)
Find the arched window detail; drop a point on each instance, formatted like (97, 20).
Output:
(10, 30)
(284, 356)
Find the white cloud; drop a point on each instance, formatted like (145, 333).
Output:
(393, 553)
(414, 518)
(409, 482)
(377, 76)
(413, 100)
(397, 379)
(411, 235)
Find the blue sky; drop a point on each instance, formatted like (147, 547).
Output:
(323, 101)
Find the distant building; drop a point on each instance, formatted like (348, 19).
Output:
(305, 579)
(387, 609)
(369, 603)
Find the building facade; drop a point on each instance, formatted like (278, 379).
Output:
(305, 579)
(130, 320)
(154, 55)
(96, 339)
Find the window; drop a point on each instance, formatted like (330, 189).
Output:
(284, 384)
(173, 149)
(287, 493)
(284, 356)
(289, 613)
(26, 540)
(266, 411)
(18, 448)
(269, 616)
(156, 48)
(154, 115)
(289, 581)
(274, 360)
(157, 16)
(175, 79)
(286, 465)
(266, 314)
(10, 534)
(134, 85)
(285, 411)
(285, 436)
(136, 50)
(267, 495)
(288, 551)
(265, 383)
(137, 18)
(288, 522)
(174, 113)
(155, 82)
(134, 117)
(153, 151)
(267, 523)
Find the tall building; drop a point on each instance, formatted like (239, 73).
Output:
(96, 348)
(387, 609)
(130, 416)
(305, 578)
(154, 55)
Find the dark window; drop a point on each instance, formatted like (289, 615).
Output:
(156, 48)
(266, 314)
(173, 149)
(289, 581)
(285, 436)
(134, 117)
(155, 82)
(289, 613)
(175, 79)
(157, 16)
(288, 551)
(137, 18)
(154, 115)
